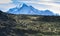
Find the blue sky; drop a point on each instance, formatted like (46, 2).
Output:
(52, 5)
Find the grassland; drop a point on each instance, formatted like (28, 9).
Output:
(28, 25)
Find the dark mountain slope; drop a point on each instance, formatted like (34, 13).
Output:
(25, 25)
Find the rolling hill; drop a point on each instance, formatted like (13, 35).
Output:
(28, 25)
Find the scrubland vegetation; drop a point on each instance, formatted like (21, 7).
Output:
(28, 25)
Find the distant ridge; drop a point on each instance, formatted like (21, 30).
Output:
(29, 10)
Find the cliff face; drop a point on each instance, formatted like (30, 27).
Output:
(25, 25)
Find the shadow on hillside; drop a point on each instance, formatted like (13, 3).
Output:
(16, 32)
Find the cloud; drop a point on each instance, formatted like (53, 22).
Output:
(50, 0)
(39, 0)
(5, 7)
(5, 1)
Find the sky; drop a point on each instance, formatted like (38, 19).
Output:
(52, 5)
(5, 1)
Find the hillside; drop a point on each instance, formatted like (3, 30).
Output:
(28, 25)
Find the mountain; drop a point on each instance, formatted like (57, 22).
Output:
(29, 10)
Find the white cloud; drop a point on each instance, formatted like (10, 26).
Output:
(6, 7)
(50, 0)
(51, 6)
(46, 0)
(5, 1)
(38, 0)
